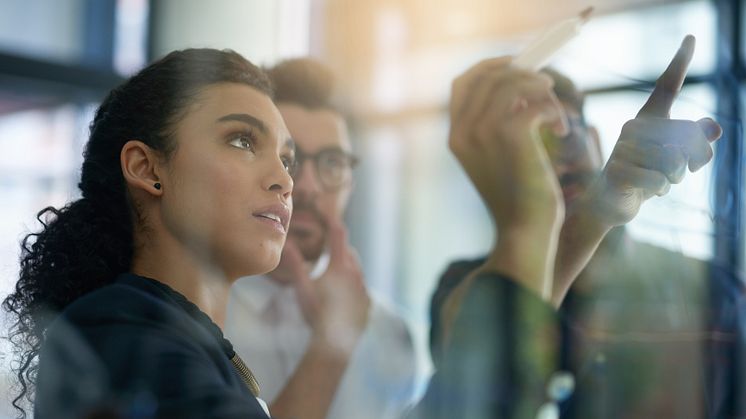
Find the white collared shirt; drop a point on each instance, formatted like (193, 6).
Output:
(268, 331)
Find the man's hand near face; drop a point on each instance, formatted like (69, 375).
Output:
(336, 307)
(336, 304)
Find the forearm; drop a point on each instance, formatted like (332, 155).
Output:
(581, 234)
(312, 387)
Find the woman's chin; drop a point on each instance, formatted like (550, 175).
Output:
(257, 259)
(261, 266)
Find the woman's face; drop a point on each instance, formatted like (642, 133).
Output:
(226, 189)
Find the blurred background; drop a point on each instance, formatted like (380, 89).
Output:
(413, 209)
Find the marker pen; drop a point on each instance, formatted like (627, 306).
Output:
(539, 52)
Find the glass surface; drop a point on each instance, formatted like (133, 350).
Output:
(638, 44)
(39, 163)
(412, 213)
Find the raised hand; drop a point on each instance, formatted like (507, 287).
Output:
(496, 113)
(336, 307)
(653, 151)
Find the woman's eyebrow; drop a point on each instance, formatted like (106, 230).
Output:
(247, 119)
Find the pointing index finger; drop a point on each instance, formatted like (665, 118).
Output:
(669, 84)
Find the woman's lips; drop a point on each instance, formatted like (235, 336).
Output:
(275, 224)
(276, 215)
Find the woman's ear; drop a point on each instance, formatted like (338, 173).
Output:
(140, 167)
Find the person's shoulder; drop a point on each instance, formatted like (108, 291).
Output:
(127, 303)
(724, 283)
(133, 336)
(388, 346)
(112, 300)
(656, 255)
(449, 280)
(452, 277)
(677, 262)
(385, 314)
(461, 267)
(458, 270)
(388, 330)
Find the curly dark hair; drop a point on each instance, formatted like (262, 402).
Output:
(87, 243)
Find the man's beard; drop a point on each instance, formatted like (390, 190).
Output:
(310, 247)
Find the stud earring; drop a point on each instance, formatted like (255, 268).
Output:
(157, 185)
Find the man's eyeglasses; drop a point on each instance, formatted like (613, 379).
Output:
(333, 166)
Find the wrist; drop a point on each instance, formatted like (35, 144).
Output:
(581, 234)
(333, 347)
(586, 217)
(336, 336)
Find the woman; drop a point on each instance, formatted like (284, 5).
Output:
(121, 296)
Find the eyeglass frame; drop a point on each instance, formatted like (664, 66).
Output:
(301, 157)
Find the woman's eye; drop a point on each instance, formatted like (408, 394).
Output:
(244, 141)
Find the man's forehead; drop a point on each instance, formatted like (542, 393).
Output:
(314, 129)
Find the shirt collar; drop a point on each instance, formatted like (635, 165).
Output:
(259, 290)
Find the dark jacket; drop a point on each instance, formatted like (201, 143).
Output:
(138, 349)
(642, 365)
(500, 357)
